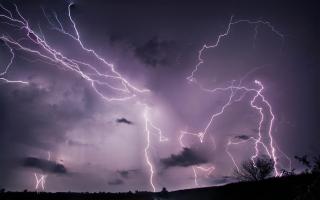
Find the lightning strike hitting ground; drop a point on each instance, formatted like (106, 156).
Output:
(40, 181)
(148, 126)
(121, 89)
(208, 171)
(257, 96)
(289, 164)
(231, 142)
(43, 50)
(269, 148)
(41, 178)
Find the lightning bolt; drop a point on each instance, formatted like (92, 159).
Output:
(46, 53)
(112, 80)
(270, 149)
(289, 166)
(233, 90)
(8, 67)
(40, 181)
(205, 47)
(148, 127)
(196, 168)
(231, 142)
(41, 178)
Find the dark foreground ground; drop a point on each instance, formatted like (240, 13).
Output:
(297, 187)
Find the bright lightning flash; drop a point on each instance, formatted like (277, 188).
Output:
(121, 89)
(149, 126)
(258, 102)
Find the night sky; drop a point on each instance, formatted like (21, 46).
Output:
(59, 124)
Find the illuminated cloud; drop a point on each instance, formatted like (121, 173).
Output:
(72, 109)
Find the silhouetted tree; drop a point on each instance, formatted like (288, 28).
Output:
(2, 190)
(164, 190)
(304, 160)
(311, 166)
(255, 171)
(316, 164)
(285, 172)
(164, 193)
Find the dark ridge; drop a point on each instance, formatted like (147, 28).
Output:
(304, 186)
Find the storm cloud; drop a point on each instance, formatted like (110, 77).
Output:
(187, 157)
(242, 137)
(45, 165)
(124, 121)
(155, 46)
(157, 52)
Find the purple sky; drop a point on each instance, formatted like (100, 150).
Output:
(97, 145)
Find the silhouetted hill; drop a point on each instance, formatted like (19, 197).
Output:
(298, 187)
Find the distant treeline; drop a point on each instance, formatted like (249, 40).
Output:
(297, 187)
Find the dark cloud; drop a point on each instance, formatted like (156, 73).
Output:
(127, 173)
(124, 120)
(242, 137)
(187, 157)
(45, 165)
(116, 182)
(156, 52)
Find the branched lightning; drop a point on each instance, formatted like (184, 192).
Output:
(257, 99)
(45, 51)
(232, 142)
(148, 127)
(8, 67)
(196, 168)
(41, 178)
(205, 47)
(289, 166)
(40, 181)
(121, 89)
